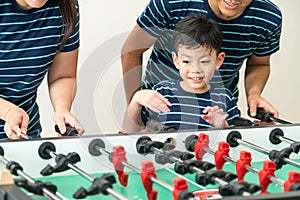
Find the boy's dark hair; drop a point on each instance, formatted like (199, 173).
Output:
(194, 31)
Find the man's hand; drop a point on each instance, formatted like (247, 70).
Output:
(256, 101)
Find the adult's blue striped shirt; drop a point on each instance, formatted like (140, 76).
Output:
(187, 108)
(257, 31)
(29, 41)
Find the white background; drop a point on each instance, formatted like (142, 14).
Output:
(105, 22)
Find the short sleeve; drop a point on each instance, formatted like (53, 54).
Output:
(155, 17)
(270, 43)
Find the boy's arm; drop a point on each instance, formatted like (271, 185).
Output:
(152, 99)
(215, 116)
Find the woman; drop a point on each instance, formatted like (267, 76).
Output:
(37, 38)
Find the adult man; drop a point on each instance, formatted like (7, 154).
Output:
(251, 30)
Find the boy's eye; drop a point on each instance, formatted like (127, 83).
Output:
(186, 61)
(205, 61)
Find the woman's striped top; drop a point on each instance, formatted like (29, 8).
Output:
(29, 41)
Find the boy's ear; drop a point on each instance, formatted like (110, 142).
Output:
(175, 60)
(220, 59)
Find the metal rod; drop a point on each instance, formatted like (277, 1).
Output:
(21, 173)
(253, 146)
(165, 185)
(276, 180)
(251, 169)
(265, 151)
(87, 176)
(81, 172)
(248, 168)
(215, 179)
(285, 139)
(130, 166)
(188, 180)
(102, 150)
(115, 194)
(73, 167)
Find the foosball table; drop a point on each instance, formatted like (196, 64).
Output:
(234, 163)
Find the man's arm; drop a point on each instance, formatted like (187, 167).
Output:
(135, 45)
(256, 76)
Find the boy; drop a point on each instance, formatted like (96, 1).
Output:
(192, 102)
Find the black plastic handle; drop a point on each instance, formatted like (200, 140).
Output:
(69, 132)
(262, 115)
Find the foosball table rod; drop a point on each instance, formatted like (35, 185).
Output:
(281, 157)
(103, 184)
(145, 145)
(148, 176)
(277, 136)
(243, 165)
(47, 189)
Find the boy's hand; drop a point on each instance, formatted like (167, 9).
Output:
(153, 100)
(215, 116)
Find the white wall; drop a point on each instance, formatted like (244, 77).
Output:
(100, 102)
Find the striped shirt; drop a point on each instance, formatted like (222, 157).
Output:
(257, 31)
(187, 108)
(29, 41)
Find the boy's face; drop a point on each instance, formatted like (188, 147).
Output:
(29, 4)
(197, 67)
(228, 9)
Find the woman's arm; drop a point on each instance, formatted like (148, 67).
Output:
(62, 89)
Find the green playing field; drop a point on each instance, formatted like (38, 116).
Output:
(68, 185)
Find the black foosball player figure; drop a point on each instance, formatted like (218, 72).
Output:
(100, 185)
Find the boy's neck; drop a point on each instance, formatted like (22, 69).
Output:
(202, 90)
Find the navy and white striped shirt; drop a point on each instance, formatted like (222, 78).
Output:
(257, 31)
(29, 41)
(187, 108)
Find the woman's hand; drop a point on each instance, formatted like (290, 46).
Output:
(16, 123)
(63, 117)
